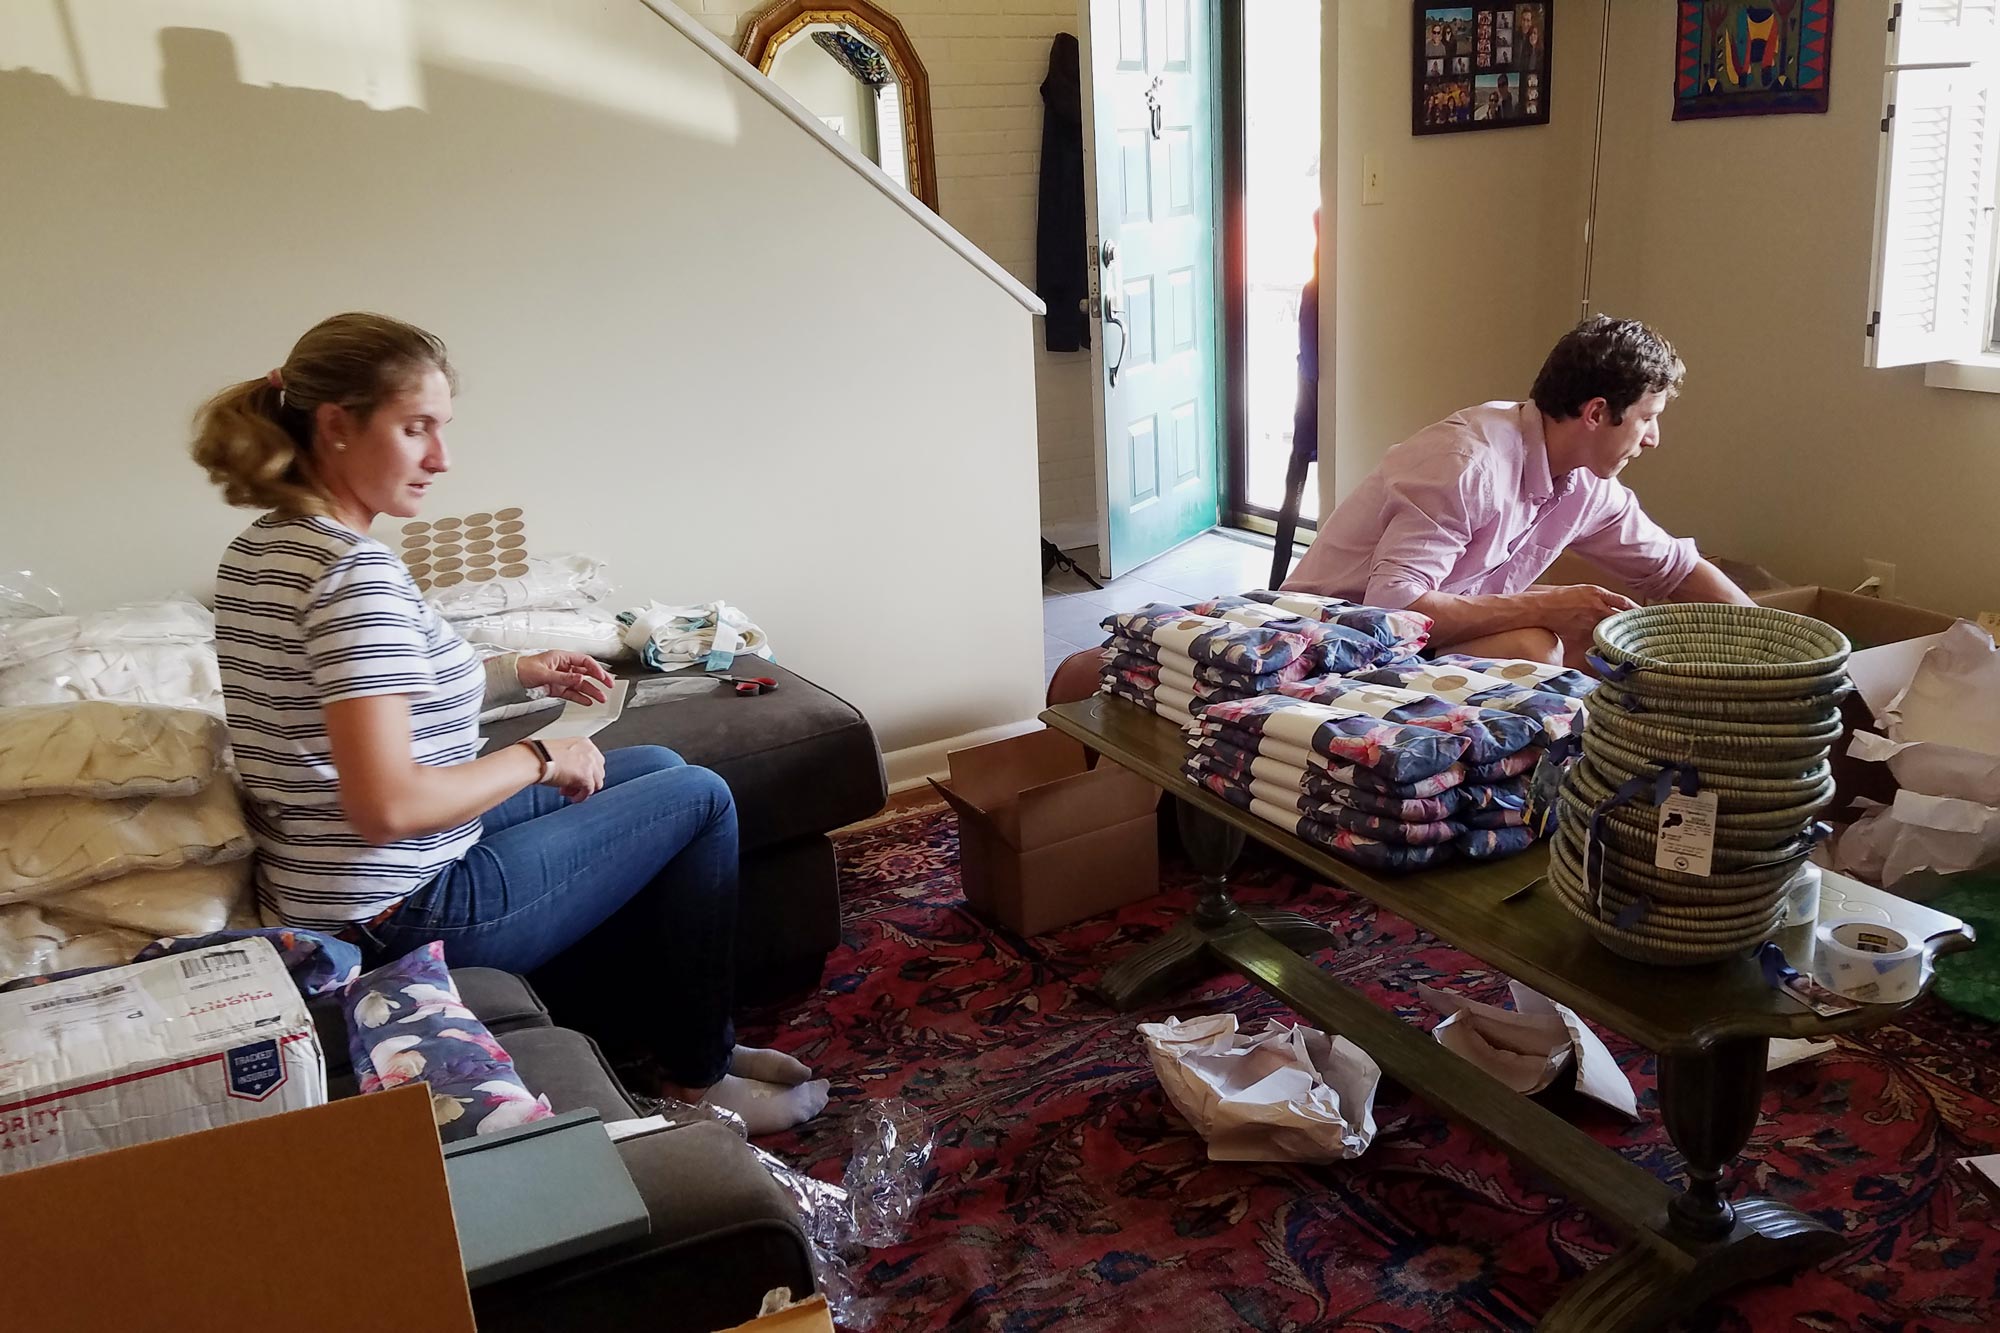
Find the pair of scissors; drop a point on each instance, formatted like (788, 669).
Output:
(750, 685)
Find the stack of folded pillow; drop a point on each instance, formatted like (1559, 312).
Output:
(1175, 660)
(1318, 715)
(1389, 779)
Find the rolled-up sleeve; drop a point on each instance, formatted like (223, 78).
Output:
(1629, 544)
(1427, 522)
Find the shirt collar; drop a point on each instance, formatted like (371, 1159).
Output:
(1535, 475)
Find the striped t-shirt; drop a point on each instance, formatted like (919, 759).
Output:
(308, 613)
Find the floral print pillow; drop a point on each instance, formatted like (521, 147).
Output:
(407, 1024)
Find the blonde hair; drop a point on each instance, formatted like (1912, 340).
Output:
(255, 439)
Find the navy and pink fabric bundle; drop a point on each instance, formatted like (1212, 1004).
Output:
(1173, 658)
(1396, 786)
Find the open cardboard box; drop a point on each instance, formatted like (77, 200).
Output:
(1045, 839)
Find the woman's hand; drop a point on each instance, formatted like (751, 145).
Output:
(579, 766)
(577, 678)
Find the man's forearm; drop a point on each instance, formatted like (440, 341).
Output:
(1706, 583)
(1456, 619)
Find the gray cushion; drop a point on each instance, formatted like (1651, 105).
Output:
(503, 1000)
(799, 760)
(568, 1069)
(724, 1233)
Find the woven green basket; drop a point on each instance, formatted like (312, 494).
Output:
(1789, 712)
(1706, 643)
(1676, 947)
(1660, 745)
(1758, 739)
(1747, 820)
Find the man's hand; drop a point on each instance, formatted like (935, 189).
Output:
(1574, 611)
(577, 678)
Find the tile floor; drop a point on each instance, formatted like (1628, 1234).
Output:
(1218, 561)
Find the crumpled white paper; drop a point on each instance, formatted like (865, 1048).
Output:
(1889, 843)
(1281, 1094)
(1954, 696)
(1527, 1046)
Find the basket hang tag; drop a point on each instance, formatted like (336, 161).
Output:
(1685, 841)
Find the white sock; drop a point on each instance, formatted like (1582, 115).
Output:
(768, 1066)
(767, 1108)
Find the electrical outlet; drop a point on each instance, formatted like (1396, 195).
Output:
(1371, 178)
(1884, 576)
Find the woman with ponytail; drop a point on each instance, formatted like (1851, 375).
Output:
(353, 713)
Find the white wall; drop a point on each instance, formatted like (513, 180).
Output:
(1451, 291)
(612, 234)
(1747, 241)
(986, 60)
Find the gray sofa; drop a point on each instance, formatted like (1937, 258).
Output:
(801, 762)
(723, 1232)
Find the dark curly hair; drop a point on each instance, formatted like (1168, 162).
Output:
(1618, 360)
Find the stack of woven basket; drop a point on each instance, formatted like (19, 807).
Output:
(1739, 701)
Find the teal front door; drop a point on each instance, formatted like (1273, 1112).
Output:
(1153, 90)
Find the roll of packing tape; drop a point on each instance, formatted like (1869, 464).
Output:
(1867, 961)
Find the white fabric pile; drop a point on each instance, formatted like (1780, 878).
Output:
(152, 652)
(559, 603)
(119, 823)
(669, 637)
(1940, 738)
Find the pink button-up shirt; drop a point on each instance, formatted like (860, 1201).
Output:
(1468, 506)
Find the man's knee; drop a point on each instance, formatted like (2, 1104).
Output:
(1528, 644)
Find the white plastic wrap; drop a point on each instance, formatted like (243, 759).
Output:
(585, 630)
(192, 900)
(552, 583)
(22, 594)
(35, 942)
(669, 636)
(52, 843)
(1890, 843)
(175, 621)
(107, 750)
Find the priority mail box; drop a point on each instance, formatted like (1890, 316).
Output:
(182, 1043)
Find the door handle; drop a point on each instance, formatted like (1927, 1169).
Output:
(1114, 315)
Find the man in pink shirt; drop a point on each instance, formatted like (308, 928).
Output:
(1461, 518)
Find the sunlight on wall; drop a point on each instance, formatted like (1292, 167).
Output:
(370, 51)
(561, 47)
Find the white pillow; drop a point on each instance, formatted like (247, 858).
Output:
(193, 900)
(107, 750)
(52, 843)
(584, 631)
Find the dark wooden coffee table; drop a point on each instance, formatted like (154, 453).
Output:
(1710, 1027)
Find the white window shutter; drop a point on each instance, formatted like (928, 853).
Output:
(1931, 291)
(1943, 32)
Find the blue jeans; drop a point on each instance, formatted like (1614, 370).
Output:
(623, 905)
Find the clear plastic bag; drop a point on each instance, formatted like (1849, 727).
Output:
(870, 1209)
(189, 900)
(49, 844)
(177, 621)
(35, 941)
(22, 594)
(584, 630)
(552, 583)
(107, 750)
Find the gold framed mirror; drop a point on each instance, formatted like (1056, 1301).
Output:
(853, 67)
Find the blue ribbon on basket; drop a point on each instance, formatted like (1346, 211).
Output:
(1665, 780)
(1609, 670)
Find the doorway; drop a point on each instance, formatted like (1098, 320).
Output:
(1271, 188)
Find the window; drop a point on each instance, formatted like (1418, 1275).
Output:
(1935, 291)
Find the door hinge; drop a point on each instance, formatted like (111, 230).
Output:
(1874, 323)
(1895, 12)
(1888, 116)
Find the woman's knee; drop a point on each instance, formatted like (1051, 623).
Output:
(632, 761)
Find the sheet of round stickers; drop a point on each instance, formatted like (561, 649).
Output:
(473, 549)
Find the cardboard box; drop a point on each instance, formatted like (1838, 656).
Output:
(1044, 839)
(335, 1217)
(1889, 638)
(1569, 568)
(132, 1054)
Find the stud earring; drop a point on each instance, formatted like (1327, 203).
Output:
(340, 444)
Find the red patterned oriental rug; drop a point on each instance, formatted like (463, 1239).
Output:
(1065, 1193)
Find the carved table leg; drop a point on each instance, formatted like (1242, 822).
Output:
(1180, 957)
(1709, 1104)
